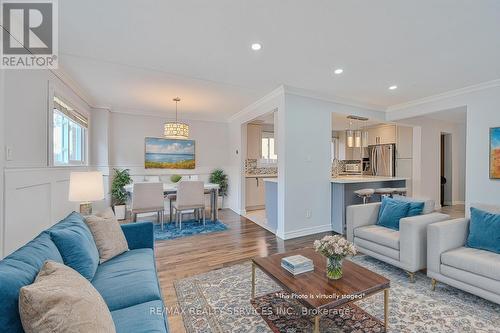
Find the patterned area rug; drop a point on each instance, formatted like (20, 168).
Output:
(189, 228)
(284, 315)
(219, 301)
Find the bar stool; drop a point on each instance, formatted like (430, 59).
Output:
(385, 191)
(401, 191)
(365, 194)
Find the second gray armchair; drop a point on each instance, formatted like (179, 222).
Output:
(405, 248)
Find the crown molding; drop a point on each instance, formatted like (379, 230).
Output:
(332, 99)
(276, 92)
(448, 94)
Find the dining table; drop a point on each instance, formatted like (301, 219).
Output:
(171, 188)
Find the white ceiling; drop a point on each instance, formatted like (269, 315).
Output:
(456, 115)
(135, 56)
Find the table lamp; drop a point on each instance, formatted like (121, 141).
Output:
(85, 187)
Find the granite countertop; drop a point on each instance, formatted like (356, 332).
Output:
(363, 179)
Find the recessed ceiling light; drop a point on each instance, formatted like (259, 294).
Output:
(394, 87)
(338, 71)
(256, 46)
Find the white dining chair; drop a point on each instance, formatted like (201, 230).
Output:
(147, 198)
(190, 197)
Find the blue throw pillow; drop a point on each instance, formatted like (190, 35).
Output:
(77, 248)
(484, 231)
(416, 208)
(391, 211)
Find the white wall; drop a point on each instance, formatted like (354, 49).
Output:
(127, 134)
(429, 169)
(35, 194)
(483, 112)
(2, 160)
(305, 171)
(272, 102)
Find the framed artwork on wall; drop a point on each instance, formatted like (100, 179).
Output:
(495, 153)
(163, 153)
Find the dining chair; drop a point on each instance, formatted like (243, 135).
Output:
(190, 197)
(147, 198)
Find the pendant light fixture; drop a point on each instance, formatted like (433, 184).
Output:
(176, 130)
(356, 138)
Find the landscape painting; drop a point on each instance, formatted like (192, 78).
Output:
(169, 154)
(495, 153)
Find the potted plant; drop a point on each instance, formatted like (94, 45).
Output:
(218, 176)
(118, 193)
(175, 178)
(335, 249)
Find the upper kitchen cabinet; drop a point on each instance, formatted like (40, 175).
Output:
(404, 147)
(254, 141)
(382, 134)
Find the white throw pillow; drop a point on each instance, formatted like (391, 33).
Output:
(61, 300)
(108, 236)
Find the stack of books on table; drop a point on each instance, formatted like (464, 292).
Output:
(297, 264)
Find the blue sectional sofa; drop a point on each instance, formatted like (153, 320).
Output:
(128, 283)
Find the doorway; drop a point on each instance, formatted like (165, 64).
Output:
(446, 170)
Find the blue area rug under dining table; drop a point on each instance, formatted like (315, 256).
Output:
(189, 228)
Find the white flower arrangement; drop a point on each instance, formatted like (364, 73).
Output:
(334, 246)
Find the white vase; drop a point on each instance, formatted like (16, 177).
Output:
(220, 201)
(120, 212)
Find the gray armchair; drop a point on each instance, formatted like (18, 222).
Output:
(406, 248)
(451, 262)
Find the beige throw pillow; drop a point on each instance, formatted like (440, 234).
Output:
(61, 300)
(108, 236)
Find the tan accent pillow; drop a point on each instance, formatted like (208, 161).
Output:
(61, 300)
(108, 236)
(107, 213)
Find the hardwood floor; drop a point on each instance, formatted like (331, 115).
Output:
(455, 211)
(184, 257)
(180, 258)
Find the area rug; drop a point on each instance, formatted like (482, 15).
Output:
(219, 301)
(189, 228)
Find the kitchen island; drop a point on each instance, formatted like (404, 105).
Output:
(343, 195)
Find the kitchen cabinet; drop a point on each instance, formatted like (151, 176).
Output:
(254, 141)
(353, 153)
(383, 134)
(255, 193)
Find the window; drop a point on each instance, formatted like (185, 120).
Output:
(268, 147)
(69, 135)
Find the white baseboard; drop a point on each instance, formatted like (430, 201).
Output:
(307, 231)
(241, 212)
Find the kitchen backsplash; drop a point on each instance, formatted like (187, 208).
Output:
(251, 168)
(338, 166)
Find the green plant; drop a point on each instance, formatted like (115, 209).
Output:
(219, 177)
(120, 179)
(175, 178)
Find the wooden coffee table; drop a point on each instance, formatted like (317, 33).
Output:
(357, 282)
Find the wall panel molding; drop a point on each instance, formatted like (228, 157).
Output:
(37, 198)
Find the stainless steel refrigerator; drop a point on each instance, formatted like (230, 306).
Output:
(382, 160)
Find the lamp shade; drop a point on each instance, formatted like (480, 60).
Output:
(86, 186)
(176, 130)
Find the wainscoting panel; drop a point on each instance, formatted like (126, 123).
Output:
(35, 199)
